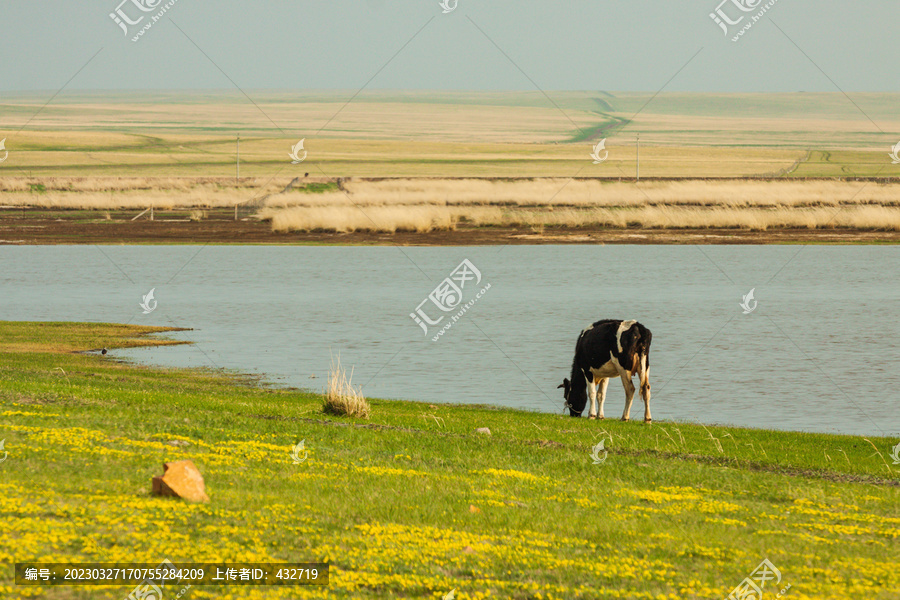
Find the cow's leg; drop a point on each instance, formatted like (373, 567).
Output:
(629, 394)
(645, 394)
(603, 385)
(592, 392)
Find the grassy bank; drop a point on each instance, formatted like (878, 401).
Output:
(413, 503)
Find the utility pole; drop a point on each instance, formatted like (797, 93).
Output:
(638, 177)
(238, 175)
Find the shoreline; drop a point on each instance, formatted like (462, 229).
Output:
(32, 226)
(261, 380)
(133, 337)
(117, 336)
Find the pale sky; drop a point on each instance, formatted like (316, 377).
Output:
(615, 45)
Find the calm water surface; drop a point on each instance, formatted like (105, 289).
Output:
(818, 353)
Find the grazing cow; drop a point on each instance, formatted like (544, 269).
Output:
(609, 348)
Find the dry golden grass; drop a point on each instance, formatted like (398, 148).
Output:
(171, 192)
(371, 218)
(657, 217)
(427, 205)
(594, 192)
(109, 193)
(341, 398)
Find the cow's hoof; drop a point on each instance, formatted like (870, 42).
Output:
(648, 420)
(592, 417)
(625, 419)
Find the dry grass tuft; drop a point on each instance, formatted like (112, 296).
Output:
(371, 218)
(341, 398)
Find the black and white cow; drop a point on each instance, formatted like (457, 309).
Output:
(609, 348)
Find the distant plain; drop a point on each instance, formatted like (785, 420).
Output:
(180, 150)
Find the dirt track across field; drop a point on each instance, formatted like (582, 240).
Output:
(33, 226)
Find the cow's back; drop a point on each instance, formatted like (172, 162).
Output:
(601, 341)
(595, 343)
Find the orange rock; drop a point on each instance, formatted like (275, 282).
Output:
(181, 479)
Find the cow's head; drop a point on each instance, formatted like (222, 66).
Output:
(575, 397)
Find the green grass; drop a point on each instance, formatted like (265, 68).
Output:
(317, 188)
(413, 503)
